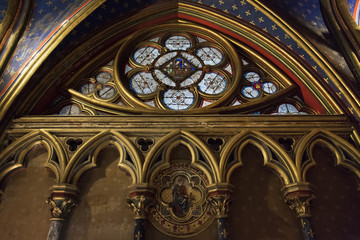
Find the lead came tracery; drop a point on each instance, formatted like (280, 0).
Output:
(179, 71)
(177, 67)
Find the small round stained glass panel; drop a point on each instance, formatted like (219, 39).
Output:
(269, 87)
(143, 83)
(287, 109)
(87, 88)
(70, 110)
(178, 99)
(177, 42)
(146, 55)
(210, 55)
(252, 76)
(250, 92)
(107, 92)
(212, 83)
(103, 77)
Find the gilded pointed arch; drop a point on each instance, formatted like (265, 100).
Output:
(346, 154)
(275, 157)
(201, 156)
(86, 157)
(12, 158)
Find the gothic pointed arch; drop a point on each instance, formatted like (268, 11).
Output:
(201, 156)
(274, 156)
(178, 89)
(13, 157)
(86, 157)
(346, 154)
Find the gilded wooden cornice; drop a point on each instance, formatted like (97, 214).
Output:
(153, 123)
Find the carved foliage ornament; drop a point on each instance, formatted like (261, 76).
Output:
(181, 208)
(60, 207)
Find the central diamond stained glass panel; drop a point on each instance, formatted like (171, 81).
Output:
(178, 69)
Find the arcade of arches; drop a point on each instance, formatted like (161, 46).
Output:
(179, 119)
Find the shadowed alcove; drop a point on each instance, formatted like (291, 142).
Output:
(258, 210)
(336, 210)
(102, 212)
(26, 194)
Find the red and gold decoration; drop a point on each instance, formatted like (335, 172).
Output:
(181, 206)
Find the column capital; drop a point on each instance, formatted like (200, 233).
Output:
(220, 196)
(298, 197)
(140, 199)
(62, 199)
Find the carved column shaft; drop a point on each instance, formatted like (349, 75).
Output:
(55, 230)
(300, 202)
(62, 201)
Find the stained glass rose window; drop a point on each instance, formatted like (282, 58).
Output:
(178, 68)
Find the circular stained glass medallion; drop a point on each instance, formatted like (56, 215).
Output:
(103, 77)
(252, 76)
(87, 88)
(107, 92)
(250, 92)
(178, 71)
(269, 87)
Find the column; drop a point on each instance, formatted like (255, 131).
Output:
(299, 197)
(62, 201)
(220, 198)
(139, 202)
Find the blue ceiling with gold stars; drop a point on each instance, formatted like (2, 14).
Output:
(49, 17)
(3, 8)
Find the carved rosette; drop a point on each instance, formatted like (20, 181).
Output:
(181, 207)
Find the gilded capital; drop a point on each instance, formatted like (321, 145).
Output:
(60, 207)
(62, 200)
(140, 205)
(220, 204)
(300, 204)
